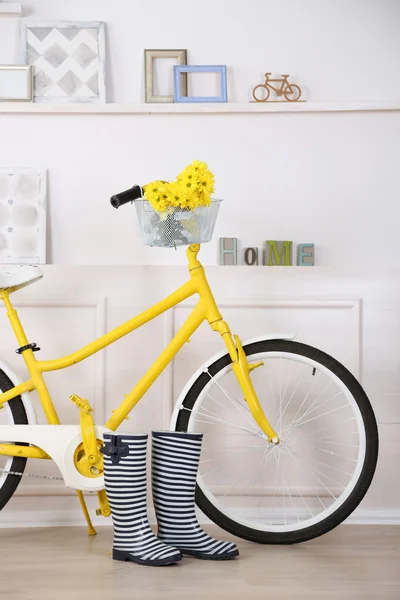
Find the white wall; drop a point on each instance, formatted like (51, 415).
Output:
(325, 178)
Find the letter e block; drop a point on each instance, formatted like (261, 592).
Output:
(305, 255)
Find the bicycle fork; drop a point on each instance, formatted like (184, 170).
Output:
(242, 370)
(240, 365)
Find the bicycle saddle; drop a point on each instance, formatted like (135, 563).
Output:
(17, 277)
(282, 75)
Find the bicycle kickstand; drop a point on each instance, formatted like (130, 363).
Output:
(91, 529)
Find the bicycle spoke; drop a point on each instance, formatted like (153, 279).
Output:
(330, 467)
(239, 480)
(338, 424)
(293, 393)
(308, 412)
(235, 404)
(303, 402)
(275, 482)
(341, 444)
(232, 399)
(336, 454)
(324, 415)
(313, 472)
(214, 420)
(300, 494)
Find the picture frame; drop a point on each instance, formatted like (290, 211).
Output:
(149, 56)
(184, 70)
(16, 83)
(68, 58)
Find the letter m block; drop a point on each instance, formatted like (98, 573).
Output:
(278, 253)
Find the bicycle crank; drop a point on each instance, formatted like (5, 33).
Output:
(63, 444)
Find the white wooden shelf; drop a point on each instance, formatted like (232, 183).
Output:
(194, 108)
(10, 9)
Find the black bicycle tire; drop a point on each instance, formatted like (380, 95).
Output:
(18, 463)
(367, 472)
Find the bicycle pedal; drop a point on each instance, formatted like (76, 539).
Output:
(81, 403)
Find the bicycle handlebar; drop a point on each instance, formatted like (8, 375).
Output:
(130, 195)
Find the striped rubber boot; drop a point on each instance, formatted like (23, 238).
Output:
(125, 483)
(175, 462)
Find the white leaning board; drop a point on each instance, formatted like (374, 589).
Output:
(22, 215)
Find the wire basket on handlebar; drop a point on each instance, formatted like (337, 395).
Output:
(176, 226)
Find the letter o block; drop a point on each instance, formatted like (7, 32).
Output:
(251, 257)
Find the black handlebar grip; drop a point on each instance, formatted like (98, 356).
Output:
(130, 195)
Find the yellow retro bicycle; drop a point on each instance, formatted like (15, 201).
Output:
(290, 438)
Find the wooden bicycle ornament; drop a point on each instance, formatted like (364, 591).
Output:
(289, 91)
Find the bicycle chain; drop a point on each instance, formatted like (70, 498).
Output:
(31, 475)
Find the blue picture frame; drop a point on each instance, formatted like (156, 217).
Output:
(179, 69)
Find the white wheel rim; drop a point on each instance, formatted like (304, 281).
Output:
(199, 416)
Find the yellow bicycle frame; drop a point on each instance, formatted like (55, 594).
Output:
(205, 309)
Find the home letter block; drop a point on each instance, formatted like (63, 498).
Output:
(305, 255)
(278, 253)
(251, 256)
(228, 251)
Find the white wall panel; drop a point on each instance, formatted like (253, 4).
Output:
(350, 314)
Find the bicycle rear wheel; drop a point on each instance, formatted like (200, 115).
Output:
(318, 474)
(261, 93)
(12, 413)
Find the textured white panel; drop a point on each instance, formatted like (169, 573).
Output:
(22, 215)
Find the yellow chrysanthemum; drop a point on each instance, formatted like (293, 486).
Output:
(192, 188)
(199, 166)
(177, 194)
(154, 192)
(206, 182)
(205, 199)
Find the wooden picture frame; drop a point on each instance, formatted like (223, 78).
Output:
(183, 70)
(16, 83)
(149, 56)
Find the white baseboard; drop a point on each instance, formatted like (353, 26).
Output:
(62, 511)
(374, 517)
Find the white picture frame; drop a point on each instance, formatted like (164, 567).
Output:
(16, 83)
(69, 66)
(23, 212)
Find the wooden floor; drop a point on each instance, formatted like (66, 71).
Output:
(352, 562)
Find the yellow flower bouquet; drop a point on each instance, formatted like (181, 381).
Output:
(179, 212)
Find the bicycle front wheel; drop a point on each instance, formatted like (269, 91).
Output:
(319, 472)
(292, 93)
